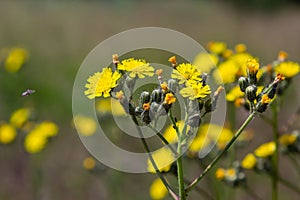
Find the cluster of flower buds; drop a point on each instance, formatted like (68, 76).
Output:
(234, 176)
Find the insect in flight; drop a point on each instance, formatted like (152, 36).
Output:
(28, 92)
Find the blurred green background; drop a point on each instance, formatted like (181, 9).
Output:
(58, 36)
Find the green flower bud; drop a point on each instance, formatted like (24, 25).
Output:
(251, 92)
(243, 83)
(172, 85)
(144, 98)
(130, 82)
(156, 96)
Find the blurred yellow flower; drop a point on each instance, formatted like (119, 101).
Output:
(136, 68)
(287, 139)
(240, 48)
(226, 72)
(217, 47)
(110, 105)
(234, 93)
(158, 190)
(7, 133)
(288, 69)
(169, 99)
(163, 159)
(101, 83)
(199, 142)
(15, 59)
(19, 117)
(195, 91)
(220, 174)
(86, 126)
(249, 161)
(89, 163)
(265, 150)
(205, 62)
(46, 128)
(34, 142)
(186, 73)
(170, 133)
(252, 66)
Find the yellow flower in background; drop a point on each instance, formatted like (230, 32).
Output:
(110, 105)
(287, 139)
(195, 91)
(7, 133)
(136, 68)
(158, 190)
(89, 163)
(163, 159)
(199, 142)
(252, 66)
(249, 161)
(86, 126)
(288, 69)
(265, 150)
(169, 99)
(220, 173)
(101, 83)
(234, 93)
(226, 72)
(19, 117)
(217, 47)
(240, 60)
(170, 133)
(35, 142)
(46, 128)
(15, 59)
(205, 62)
(186, 73)
(240, 48)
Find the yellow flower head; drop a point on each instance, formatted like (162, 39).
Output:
(195, 91)
(15, 60)
(47, 129)
(198, 143)
(110, 105)
(230, 173)
(89, 163)
(86, 126)
(19, 117)
(170, 133)
(265, 99)
(226, 72)
(234, 93)
(7, 133)
(146, 106)
(169, 99)
(101, 83)
(173, 61)
(164, 86)
(252, 66)
(157, 190)
(240, 48)
(163, 159)
(288, 69)
(282, 55)
(220, 174)
(227, 53)
(217, 47)
(186, 73)
(287, 139)
(265, 150)
(136, 68)
(34, 142)
(249, 161)
(205, 62)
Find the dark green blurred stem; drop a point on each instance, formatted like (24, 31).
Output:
(274, 106)
(164, 181)
(289, 185)
(179, 159)
(221, 153)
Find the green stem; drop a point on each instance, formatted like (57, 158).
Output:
(164, 181)
(219, 155)
(289, 185)
(182, 193)
(275, 155)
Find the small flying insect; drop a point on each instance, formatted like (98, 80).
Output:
(28, 92)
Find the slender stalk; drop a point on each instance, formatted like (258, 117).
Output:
(182, 193)
(219, 155)
(289, 185)
(164, 181)
(275, 155)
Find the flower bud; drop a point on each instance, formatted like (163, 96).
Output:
(243, 83)
(156, 96)
(144, 98)
(130, 82)
(138, 110)
(251, 92)
(145, 117)
(194, 120)
(172, 85)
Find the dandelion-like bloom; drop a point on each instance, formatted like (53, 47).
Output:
(288, 69)
(89, 163)
(163, 159)
(7, 133)
(101, 83)
(265, 150)
(186, 73)
(158, 190)
(15, 60)
(195, 91)
(19, 117)
(169, 99)
(136, 68)
(227, 72)
(249, 161)
(86, 126)
(252, 66)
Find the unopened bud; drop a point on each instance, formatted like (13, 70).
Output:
(172, 85)
(243, 83)
(144, 98)
(251, 92)
(156, 96)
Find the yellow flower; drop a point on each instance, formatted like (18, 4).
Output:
(265, 150)
(186, 72)
(15, 60)
(220, 174)
(169, 99)
(265, 99)
(217, 47)
(205, 62)
(249, 161)
(137, 68)
(89, 163)
(163, 159)
(110, 105)
(19, 117)
(234, 93)
(226, 72)
(7, 133)
(240, 60)
(195, 91)
(287, 139)
(288, 69)
(170, 133)
(199, 142)
(158, 190)
(86, 126)
(35, 142)
(240, 48)
(101, 83)
(282, 55)
(252, 66)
